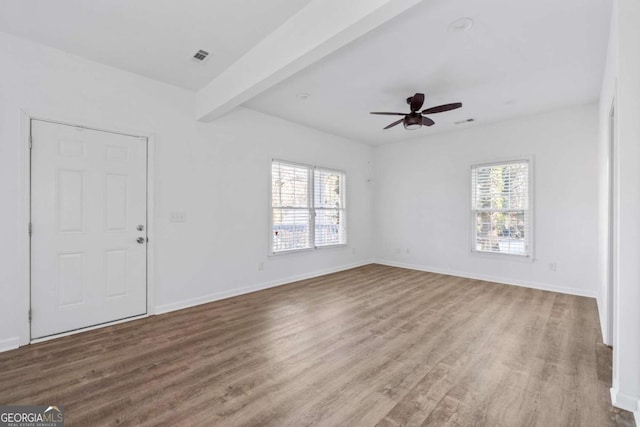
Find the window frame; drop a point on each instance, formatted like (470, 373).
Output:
(529, 256)
(312, 208)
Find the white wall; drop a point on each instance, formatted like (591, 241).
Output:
(217, 173)
(621, 86)
(422, 199)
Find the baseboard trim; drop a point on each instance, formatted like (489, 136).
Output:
(166, 308)
(9, 344)
(627, 402)
(495, 279)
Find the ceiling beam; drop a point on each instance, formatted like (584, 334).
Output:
(321, 27)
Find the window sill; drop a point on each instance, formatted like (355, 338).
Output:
(339, 245)
(306, 250)
(496, 255)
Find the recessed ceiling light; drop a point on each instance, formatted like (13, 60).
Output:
(303, 96)
(461, 25)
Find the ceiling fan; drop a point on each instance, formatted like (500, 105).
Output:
(415, 119)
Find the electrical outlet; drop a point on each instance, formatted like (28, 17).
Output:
(553, 266)
(407, 251)
(261, 266)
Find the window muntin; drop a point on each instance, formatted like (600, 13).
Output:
(501, 220)
(330, 213)
(308, 207)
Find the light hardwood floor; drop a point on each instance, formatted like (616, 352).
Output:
(370, 346)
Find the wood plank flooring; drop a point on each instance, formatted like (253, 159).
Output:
(370, 346)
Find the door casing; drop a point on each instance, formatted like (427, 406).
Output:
(25, 215)
(612, 199)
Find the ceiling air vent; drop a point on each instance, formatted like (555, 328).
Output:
(200, 56)
(464, 121)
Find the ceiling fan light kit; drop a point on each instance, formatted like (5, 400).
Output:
(415, 119)
(412, 121)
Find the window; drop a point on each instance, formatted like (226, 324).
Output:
(308, 207)
(501, 221)
(329, 214)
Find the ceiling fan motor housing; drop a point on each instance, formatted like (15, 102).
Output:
(416, 119)
(412, 121)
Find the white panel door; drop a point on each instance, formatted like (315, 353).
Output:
(89, 221)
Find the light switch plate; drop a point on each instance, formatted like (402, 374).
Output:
(178, 217)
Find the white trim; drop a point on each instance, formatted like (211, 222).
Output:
(335, 245)
(166, 308)
(25, 215)
(309, 207)
(303, 252)
(530, 255)
(311, 172)
(626, 402)
(609, 306)
(506, 257)
(9, 344)
(102, 127)
(290, 251)
(152, 234)
(270, 208)
(495, 279)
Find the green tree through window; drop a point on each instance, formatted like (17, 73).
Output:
(500, 208)
(308, 207)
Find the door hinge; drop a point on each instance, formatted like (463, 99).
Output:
(29, 315)
(30, 142)
(30, 229)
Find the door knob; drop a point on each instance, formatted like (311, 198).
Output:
(140, 240)
(140, 227)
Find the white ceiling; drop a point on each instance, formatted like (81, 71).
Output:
(520, 57)
(154, 38)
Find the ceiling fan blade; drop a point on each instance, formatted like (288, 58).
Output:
(442, 108)
(388, 114)
(416, 101)
(426, 121)
(395, 123)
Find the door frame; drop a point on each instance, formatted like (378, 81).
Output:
(612, 224)
(25, 218)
